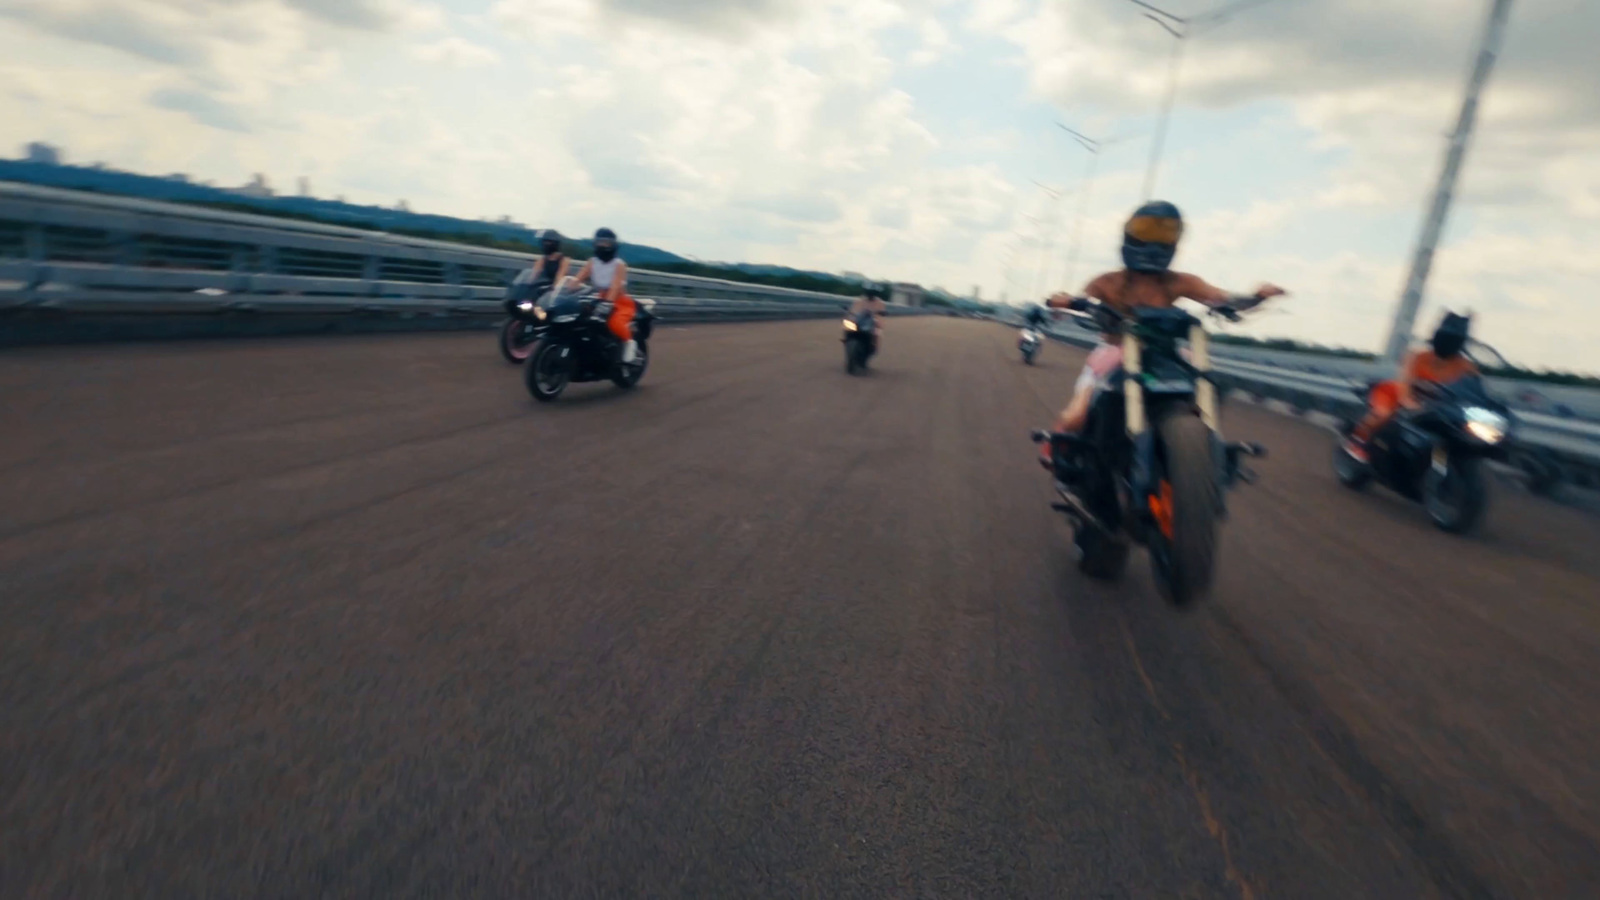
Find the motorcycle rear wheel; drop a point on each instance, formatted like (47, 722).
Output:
(629, 374)
(1101, 556)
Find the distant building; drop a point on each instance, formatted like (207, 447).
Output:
(902, 294)
(257, 188)
(42, 153)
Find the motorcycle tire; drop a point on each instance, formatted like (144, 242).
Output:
(1455, 499)
(1351, 472)
(629, 374)
(547, 374)
(1184, 551)
(514, 352)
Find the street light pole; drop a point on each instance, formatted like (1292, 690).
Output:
(1159, 141)
(1041, 272)
(1181, 29)
(1405, 316)
(1090, 167)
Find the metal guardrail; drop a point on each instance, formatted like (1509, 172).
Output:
(1553, 449)
(72, 252)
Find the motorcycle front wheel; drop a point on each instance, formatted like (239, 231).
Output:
(513, 346)
(1185, 507)
(549, 371)
(1351, 472)
(1456, 497)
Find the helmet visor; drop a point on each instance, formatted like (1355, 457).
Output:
(1155, 229)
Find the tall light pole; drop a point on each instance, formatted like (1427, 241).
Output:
(1405, 316)
(1181, 28)
(1094, 147)
(1041, 272)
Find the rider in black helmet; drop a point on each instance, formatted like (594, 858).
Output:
(609, 274)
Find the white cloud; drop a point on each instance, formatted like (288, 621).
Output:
(458, 52)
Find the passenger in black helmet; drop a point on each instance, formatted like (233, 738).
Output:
(548, 269)
(1149, 244)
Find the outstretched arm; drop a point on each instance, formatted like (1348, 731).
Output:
(1196, 288)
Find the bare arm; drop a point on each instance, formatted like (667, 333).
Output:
(1196, 288)
(584, 273)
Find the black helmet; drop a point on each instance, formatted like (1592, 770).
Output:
(605, 244)
(550, 240)
(1150, 239)
(877, 289)
(1450, 338)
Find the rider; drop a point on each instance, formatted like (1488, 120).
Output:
(873, 299)
(1441, 363)
(550, 266)
(1036, 317)
(609, 275)
(1149, 242)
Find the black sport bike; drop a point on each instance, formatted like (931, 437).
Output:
(578, 346)
(1435, 454)
(1150, 466)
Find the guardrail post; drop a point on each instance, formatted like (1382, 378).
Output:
(239, 270)
(452, 276)
(124, 248)
(369, 275)
(38, 250)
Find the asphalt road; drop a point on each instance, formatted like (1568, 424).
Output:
(353, 616)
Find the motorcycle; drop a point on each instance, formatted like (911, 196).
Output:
(577, 345)
(1029, 343)
(1150, 466)
(522, 328)
(860, 341)
(1435, 454)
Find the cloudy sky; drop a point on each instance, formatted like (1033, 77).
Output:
(901, 138)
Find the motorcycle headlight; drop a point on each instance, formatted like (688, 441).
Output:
(525, 306)
(1486, 425)
(849, 325)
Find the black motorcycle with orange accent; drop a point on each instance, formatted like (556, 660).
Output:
(1150, 466)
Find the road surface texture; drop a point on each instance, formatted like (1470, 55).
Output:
(355, 617)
